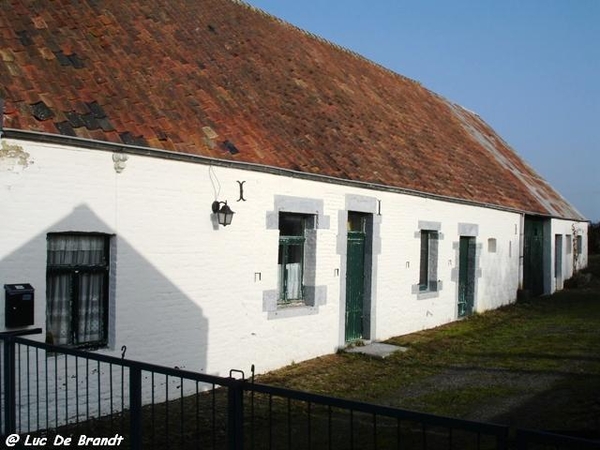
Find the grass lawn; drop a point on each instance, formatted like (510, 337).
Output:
(534, 364)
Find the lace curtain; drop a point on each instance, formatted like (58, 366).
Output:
(293, 280)
(75, 288)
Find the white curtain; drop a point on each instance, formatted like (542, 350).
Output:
(75, 250)
(91, 313)
(294, 280)
(58, 323)
(293, 284)
(69, 257)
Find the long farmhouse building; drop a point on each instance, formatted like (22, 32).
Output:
(212, 187)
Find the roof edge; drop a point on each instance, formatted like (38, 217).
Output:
(71, 141)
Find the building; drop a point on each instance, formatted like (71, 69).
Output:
(366, 206)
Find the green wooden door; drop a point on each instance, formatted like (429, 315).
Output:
(533, 256)
(466, 276)
(355, 285)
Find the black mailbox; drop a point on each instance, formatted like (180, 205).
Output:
(18, 311)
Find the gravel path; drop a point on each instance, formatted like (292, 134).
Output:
(526, 399)
(525, 386)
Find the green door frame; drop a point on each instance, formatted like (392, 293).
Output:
(466, 275)
(356, 277)
(355, 285)
(558, 261)
(533, 255)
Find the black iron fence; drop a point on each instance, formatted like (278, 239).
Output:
(51, 394)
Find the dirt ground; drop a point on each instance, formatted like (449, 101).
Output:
(527, 401)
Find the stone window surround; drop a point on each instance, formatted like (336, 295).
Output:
(314, 296)
(424, 225)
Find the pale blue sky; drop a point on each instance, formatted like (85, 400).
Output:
(530, 68)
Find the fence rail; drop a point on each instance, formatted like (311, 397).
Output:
(531, 439)
(49, 391)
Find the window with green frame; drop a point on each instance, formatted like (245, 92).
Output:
(579, 244)
(292, 241)
(77, 289)
(428, 261)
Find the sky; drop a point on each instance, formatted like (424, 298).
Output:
(529, 68)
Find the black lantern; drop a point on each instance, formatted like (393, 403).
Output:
(224, 214)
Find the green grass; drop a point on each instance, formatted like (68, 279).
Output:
(538, 360)
(457, 402)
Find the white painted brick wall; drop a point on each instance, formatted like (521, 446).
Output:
(187, 293)
(567, 229)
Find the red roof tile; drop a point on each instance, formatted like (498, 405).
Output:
(161, 71)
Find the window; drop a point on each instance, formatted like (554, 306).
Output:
(77, 289)
(492, 245)
(292, 242)
(569, 242)
(428, 263)
(579, 244)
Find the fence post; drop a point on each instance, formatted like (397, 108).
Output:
(521, 440)
(503, 439)
(10, 395)
(135, 408)
(235, 414)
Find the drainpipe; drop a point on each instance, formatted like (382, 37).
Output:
(1, 116)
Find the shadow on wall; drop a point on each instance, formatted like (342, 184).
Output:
(148, 314)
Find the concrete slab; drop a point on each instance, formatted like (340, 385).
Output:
(376, 349)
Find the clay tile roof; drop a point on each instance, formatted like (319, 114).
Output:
(159, 73)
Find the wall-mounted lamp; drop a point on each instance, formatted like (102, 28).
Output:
(224, 213)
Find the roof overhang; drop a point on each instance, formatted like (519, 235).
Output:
(76, 142)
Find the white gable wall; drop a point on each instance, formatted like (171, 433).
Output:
(188, 293)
